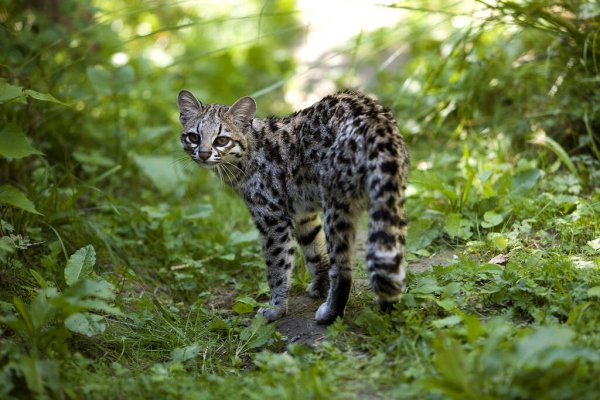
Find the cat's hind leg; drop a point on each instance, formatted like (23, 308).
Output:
(310, 236)
(339, 232)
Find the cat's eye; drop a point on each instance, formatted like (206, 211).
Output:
(193, 137)
(221, 141)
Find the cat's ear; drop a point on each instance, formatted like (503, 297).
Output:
(243, 111)
(188, 106)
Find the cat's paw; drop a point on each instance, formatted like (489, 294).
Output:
(318, 288)
(325, 315)
(272, 314)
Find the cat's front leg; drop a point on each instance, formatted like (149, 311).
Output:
(278, 248)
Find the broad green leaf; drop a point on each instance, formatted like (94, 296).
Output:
(594, 291)
(101, 80)
(87, 324)
(198, 211)
(447, 322)
(427, 286)
(498, 241)
(43, 96)
(452, 226)
(41, 309)
(14, 143)
(433, 181)
(525, 180)
(80, 265)
(99, 305)
(546, 338)
(243, 308)
(421, 233)
(9, 92)
(165, 175)
(99, 289)
(219, 324)
(491, 219)
(182, 354)
(14, 197)
(40, 375)
(237, 237)
(258, 333)
(123, 79)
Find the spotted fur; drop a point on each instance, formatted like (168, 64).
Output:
(340, 156)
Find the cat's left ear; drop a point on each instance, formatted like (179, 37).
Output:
(188, 105)
(243, 111)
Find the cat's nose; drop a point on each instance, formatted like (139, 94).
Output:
(204, 155)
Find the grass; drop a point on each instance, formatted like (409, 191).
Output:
(126, 273)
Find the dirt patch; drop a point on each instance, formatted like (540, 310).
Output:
(299, 325)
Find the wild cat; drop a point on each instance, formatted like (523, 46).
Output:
(340, 156)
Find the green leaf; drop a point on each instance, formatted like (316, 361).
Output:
(594, 291)
(525, 180)
(99, 305)
(219, 325)
(198, 211)
(101, 80)
(491, 219)
(87, 324)
(535, 345)
(182, 354)
(99, 289)
(80, 265)
(433, 181)
(161, 170)
(238, 238)
(258, 333)
(243, 308)
(447, 322)
(14, 143)
(14, 197)
(427, 286)
(498, 241)
(39, 279)
(452, 226)
(43, 96)
(9, 92)
(123, 79)
(540, 138)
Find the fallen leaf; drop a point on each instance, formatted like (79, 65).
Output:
(500, 259)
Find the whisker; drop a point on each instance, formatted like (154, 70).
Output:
(238, 168)
(220, 175)
(230, 175)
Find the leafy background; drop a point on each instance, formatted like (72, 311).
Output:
(121, 263)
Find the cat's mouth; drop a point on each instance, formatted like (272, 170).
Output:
(206, 164)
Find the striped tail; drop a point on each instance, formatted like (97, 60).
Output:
(387, 168)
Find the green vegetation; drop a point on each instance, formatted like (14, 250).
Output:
(127, 273)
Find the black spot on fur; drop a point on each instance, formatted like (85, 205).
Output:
(341, 248)
(308, 238)
(382, 236)
(390, 167)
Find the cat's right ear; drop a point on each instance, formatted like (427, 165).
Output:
(188, 106)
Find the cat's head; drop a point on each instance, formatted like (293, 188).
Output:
(214, 134)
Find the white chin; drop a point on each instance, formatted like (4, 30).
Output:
(207, 165)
